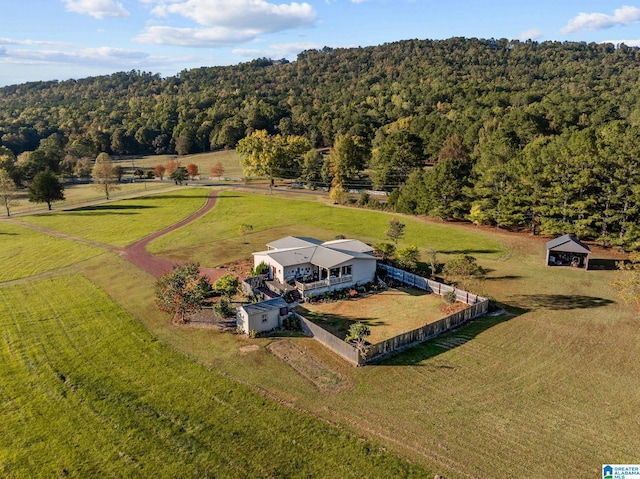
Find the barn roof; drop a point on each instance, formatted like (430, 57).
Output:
(568, 244)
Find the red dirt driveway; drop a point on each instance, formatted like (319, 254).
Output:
(138, 255)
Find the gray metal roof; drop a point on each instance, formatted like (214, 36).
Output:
(293, 242)
(329, 258)
(309, 250)
(568, 244)
(291, 256)
(352, 245)
(264, 306)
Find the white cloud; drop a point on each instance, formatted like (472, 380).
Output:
(101, 56)
(532, 34)
(225, 21)
(194, 37)
(97, 8)
(13, 41)
(598, 21)
(251, 14)
(629, 43)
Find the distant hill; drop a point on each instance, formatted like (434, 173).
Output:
(444, 87)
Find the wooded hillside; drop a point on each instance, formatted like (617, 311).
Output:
(524, 134)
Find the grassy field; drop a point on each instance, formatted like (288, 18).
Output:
(229, 159)
(387, 313)
(25, 252)
(274, 216)
(75, 194)
(550, 391)
(123, 222)
(87, 392)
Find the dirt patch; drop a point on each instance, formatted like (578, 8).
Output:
(208, 318)
(249, 349)
(309, 367)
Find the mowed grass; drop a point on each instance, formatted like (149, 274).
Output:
(25, 252)
(518, 396)
(387, 313)
(122, 222)
(81, 193)
(551, 391)
(215, 238)
(86, 391)
(229, 159)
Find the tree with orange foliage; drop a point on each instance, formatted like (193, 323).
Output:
(192, 169)
(217, 170)
(158, 171)
(170, 167)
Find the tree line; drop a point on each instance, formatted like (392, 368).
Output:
(515, 134)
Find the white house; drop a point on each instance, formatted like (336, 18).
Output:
(263, 316)
(315, 267)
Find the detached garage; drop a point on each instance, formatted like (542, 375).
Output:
(567, 250)
(262, 316)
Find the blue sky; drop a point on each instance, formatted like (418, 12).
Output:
(62, 39)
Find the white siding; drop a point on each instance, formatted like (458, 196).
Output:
(264, 321)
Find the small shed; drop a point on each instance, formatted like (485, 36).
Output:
(262, 316)
(567, 250)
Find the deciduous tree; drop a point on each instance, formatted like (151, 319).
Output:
(104, 175)
(192, 170)
(396, 230)
(267, 155)
(179, 175)
(217, 170)
(464, 271)
(226, 285)
(8, 192)
(158, 171)
(46, 188)
(182, 291)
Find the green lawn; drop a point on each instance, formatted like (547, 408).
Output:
(25, 252)
(75, 194)
(86, 391)
(550, 391)
(387, 313)
(215, 238)
(122, 222)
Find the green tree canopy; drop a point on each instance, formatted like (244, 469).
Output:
(182, 291)
(104, 174)
(46, 188)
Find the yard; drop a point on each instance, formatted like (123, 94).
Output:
(387, 313)
(549, 390)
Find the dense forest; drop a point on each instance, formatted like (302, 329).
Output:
(527, 135)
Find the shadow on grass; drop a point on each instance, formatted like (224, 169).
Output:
(2, 233)
(603, 264)
(508, 276)
(470, 251)
(416, 355)
(559, 302)
(111, 207)
(336, 324)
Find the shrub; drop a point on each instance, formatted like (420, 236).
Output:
(262, 268)
(224, 309)
(449, 297)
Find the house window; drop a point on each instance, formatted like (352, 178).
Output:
(346, 270)
(334, 272)
(264, 318)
